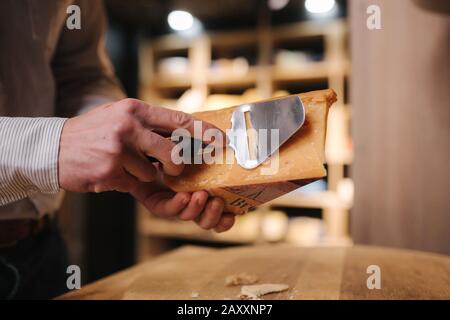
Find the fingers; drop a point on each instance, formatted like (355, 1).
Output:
(126, 183)
(166, 204)
(225, 223)
(154, 121)
(195, 206)
(206, 212)
(167, 120)
(142, 169)
(212, 214)
(123, 182)
(154, 145)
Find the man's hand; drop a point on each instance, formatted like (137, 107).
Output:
(106, 149)
(199, 207)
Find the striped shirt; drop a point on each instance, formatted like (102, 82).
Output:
(49, 74)
(29, 157)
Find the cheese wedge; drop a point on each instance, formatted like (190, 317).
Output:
(299, 161)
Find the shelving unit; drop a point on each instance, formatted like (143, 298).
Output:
(266, 78)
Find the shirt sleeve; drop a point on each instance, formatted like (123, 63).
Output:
(83, 73)
(29, 149)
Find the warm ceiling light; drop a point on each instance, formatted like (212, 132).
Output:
(319, 6)
(180, 20)
(277, 4)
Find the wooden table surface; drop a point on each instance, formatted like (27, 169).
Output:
(311, 273)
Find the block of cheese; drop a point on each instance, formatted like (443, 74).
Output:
(300, 161)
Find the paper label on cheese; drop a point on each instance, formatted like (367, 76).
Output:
(240, 199)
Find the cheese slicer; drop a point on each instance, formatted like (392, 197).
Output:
(259, 129)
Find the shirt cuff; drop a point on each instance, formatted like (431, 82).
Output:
(29, 150)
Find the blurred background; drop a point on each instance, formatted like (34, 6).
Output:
(387, 147)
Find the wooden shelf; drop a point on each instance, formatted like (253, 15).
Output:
(175, 229)
(172, 82)
(306, 29)
(156, 227)
(320, 200)
(174, 42)
(229, 80)
(171, 42)
(310, 71)
(266, 78)
(214, 80)
(233, 38)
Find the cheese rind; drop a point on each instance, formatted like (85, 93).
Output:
(300, 160)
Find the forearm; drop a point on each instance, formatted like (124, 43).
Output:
(28, 157)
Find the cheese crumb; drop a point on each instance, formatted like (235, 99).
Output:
(240, 279)
(254, 292)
